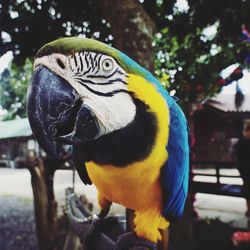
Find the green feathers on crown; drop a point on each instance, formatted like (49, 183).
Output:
(71, 45)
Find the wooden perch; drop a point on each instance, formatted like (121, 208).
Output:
(100, 234)
(82, 221)
(42, 178)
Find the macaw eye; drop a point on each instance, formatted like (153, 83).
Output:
(107, 64)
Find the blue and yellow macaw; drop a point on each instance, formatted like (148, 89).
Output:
(129, 136)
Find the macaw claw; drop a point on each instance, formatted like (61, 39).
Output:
(103, 213)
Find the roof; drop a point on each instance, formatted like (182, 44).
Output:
(227, 103)
(15, 129)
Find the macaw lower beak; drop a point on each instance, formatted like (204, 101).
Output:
(57, 113)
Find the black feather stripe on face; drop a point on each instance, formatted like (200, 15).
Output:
(106, 94)
(81, 61)
(106, 76)
(91, 62)
(108, 82)
(86, 68)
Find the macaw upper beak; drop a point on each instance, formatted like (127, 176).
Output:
(57, 113)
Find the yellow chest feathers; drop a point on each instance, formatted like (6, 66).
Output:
(117, 183)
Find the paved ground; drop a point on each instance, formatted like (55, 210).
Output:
(17, 182)
(16, 206)
(17, 228)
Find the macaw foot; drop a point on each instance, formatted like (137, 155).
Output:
(103, 213)
(109, 235)
(104, 205)
(103, 234)
(148, 223)
(130, 241)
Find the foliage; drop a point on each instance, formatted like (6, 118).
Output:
(197, 76)
(27, 25)
(188, 58)
(13, 89)
(198, 43)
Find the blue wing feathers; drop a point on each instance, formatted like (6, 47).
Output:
(175, 173)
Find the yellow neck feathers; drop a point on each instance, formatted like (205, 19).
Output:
(137, 186)
(147, 92)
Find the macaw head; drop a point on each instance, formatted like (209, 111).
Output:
(81, 91)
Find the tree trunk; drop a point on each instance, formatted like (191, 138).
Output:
(45, 205)
(132, 28)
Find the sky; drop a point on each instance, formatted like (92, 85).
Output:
(5, 60)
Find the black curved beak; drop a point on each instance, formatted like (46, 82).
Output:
(57, 113)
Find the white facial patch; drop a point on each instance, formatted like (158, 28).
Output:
(101, 84)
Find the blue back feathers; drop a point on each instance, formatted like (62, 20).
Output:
(175, 173)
